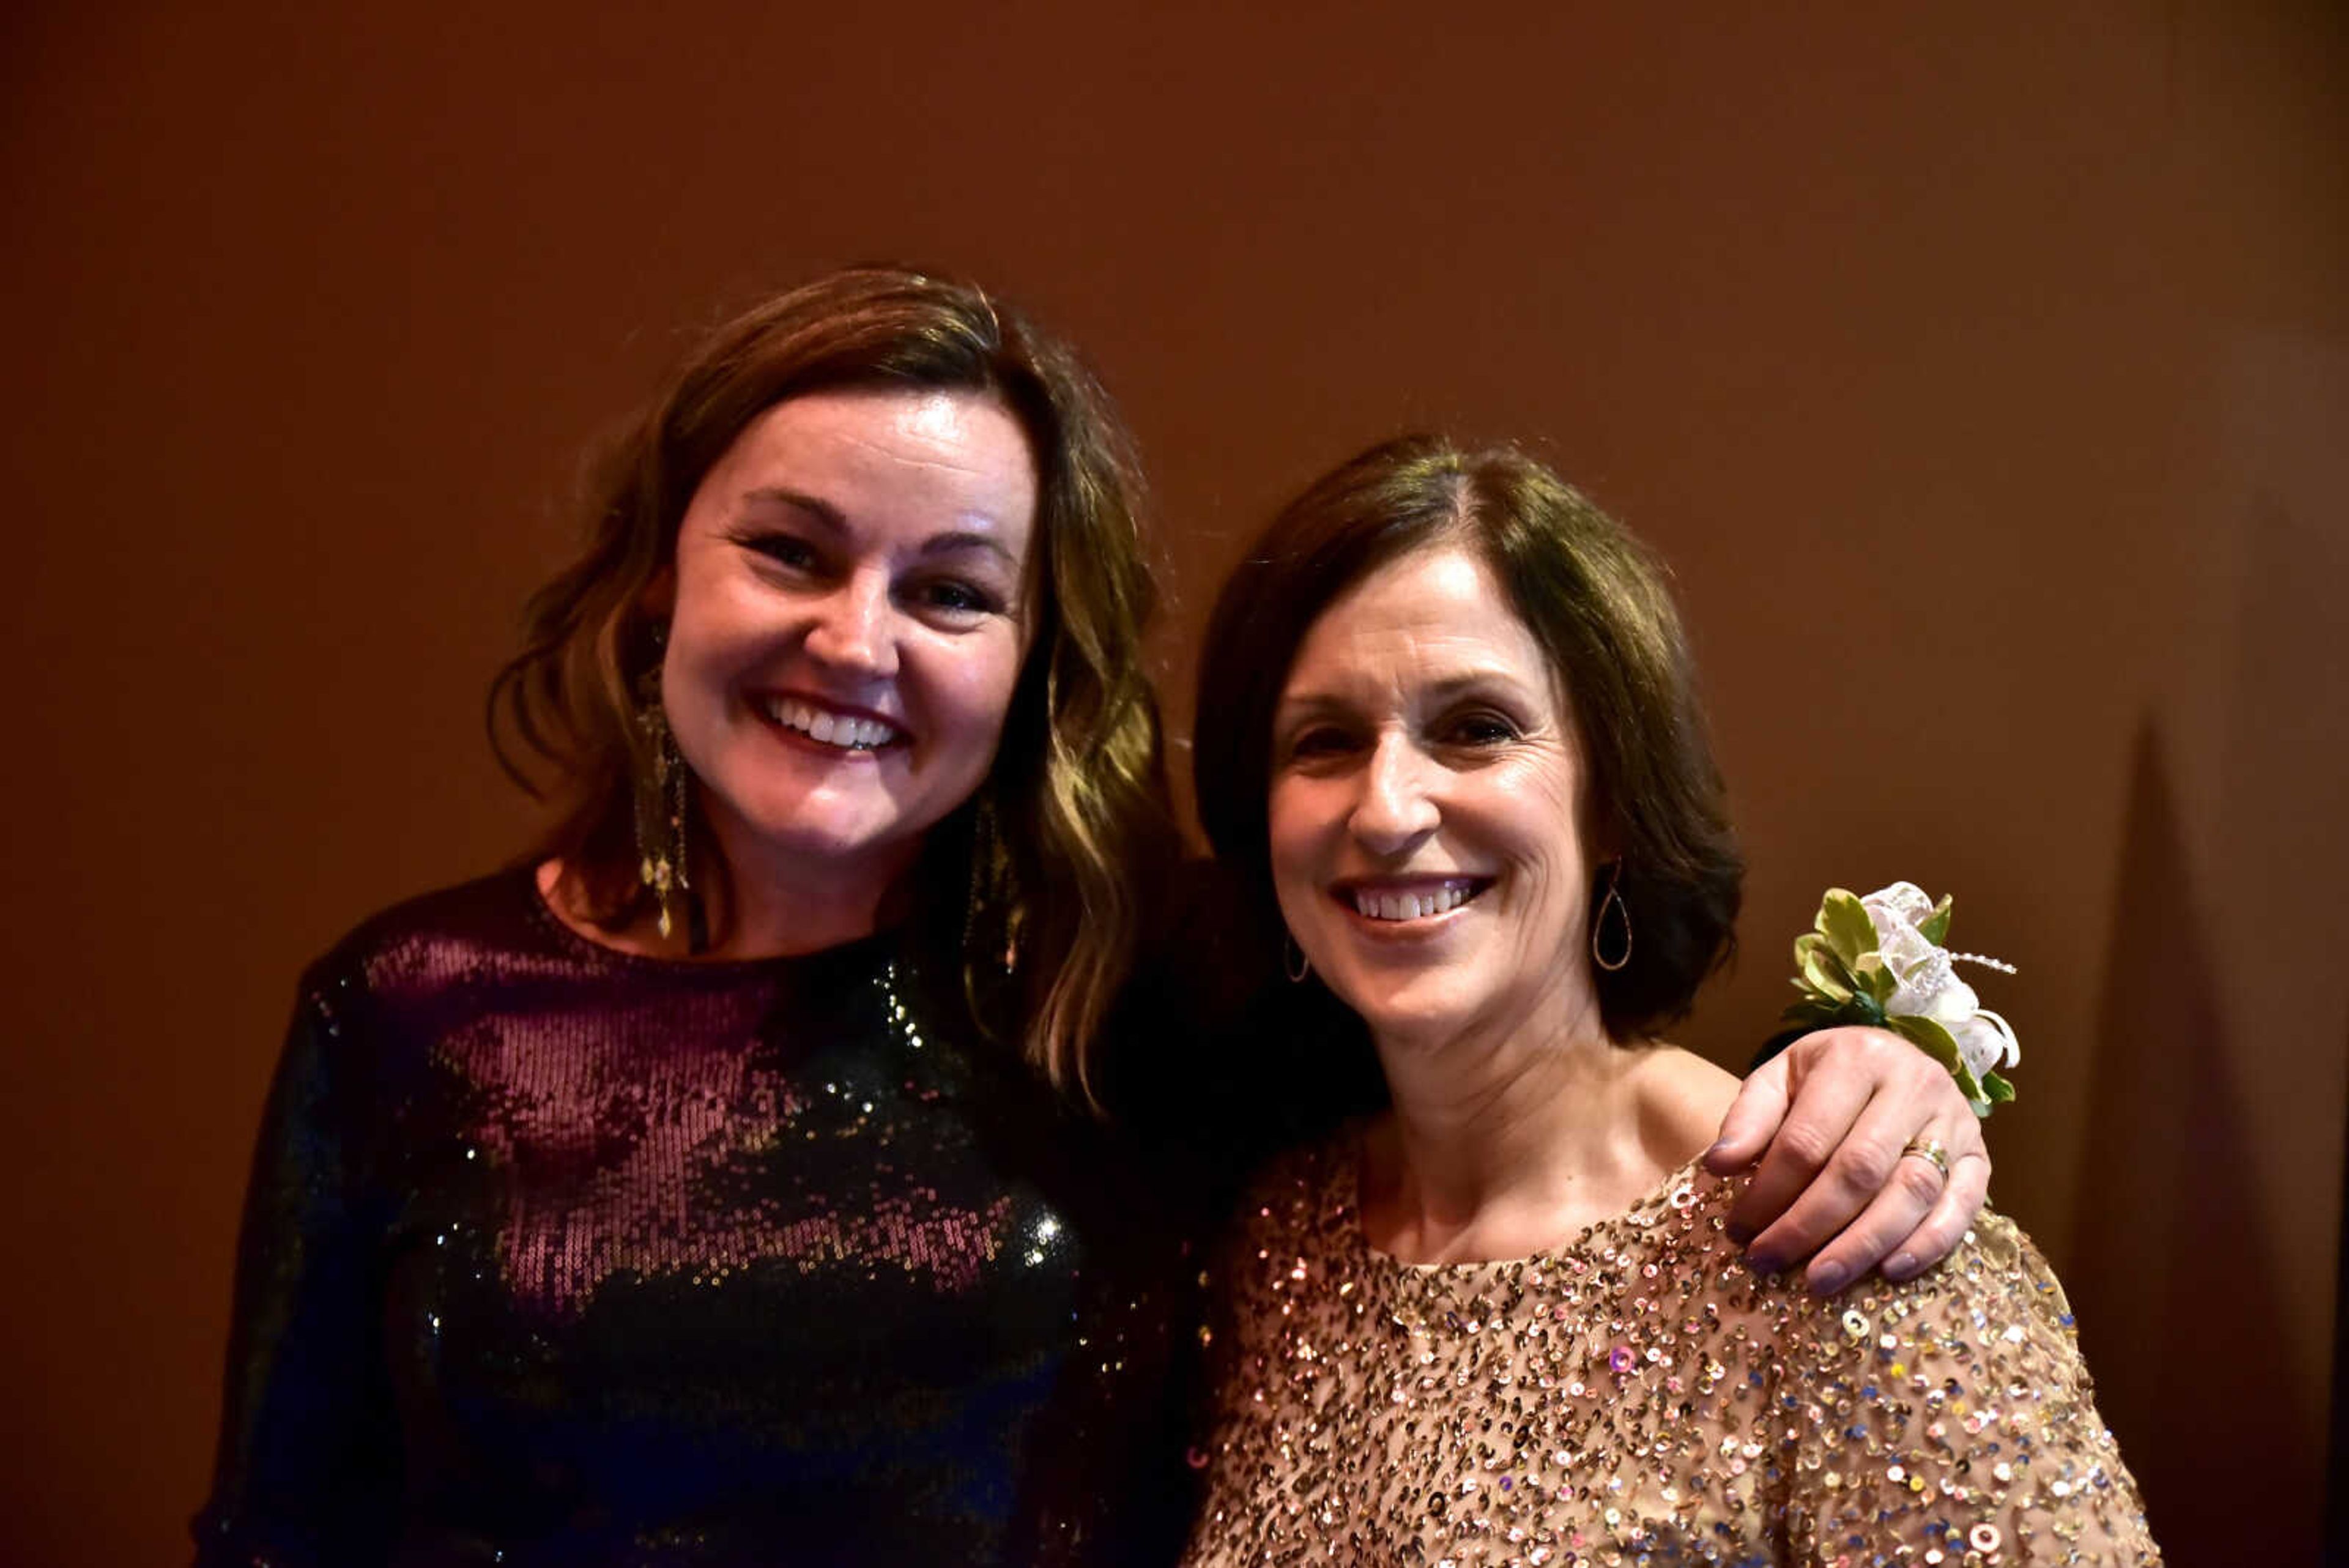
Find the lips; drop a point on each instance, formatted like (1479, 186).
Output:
(1417, 898)
(842, 730)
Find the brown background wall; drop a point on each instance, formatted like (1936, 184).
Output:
(1984, 372)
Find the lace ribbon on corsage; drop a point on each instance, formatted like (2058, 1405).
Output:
(1881, 961)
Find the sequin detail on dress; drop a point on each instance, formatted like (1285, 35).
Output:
(613, 1159)
(1638, 1396)
(557, 1256)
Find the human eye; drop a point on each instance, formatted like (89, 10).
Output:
(1481, 727)
(952, 603)
(955, 599)
(789, 551)
(1317, 744)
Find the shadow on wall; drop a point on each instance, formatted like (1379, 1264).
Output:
(2176, 1295)
(2336, 1496)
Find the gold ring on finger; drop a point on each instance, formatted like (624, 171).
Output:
(1931, 1150)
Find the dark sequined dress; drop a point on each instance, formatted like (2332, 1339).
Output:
(554, 1255)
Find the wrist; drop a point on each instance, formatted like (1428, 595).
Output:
(1881, 961)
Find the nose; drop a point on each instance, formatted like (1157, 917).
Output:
(1395, 806)
(854, 627)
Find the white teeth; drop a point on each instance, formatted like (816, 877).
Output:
(830, 728)
(1376, 906)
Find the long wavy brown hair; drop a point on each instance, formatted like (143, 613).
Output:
(1042, 882)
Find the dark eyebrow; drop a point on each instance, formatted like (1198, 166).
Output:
(1450, 688)
(1456, 686)
(947, 544)
(836, 521)
(822, 511)
(1309, 703)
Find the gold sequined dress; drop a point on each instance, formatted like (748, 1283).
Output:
(1640, 1396)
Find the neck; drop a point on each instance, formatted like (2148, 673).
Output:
(1503, 1135)
(780, 903)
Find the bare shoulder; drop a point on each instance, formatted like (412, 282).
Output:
(560, 892)
(1682, 1098)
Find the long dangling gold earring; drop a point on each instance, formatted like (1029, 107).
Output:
(994, 894)
(1614, 901)
(663, 860)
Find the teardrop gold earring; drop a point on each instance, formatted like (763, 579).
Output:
(1293, 962)
(1613, 901)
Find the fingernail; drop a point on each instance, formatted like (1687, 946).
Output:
(1765, 1261)
(1741, 1232)
(1900, 1266)
(1828, 1278)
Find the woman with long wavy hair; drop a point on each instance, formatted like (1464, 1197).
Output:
(726, 1182)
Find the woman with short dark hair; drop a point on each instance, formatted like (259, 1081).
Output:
(1595, 602)
(721, 1184)
(1500, 1318)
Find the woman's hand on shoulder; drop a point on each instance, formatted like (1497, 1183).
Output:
(1832, 1121)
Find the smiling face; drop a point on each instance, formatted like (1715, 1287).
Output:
(847, 624)
(1426, 795)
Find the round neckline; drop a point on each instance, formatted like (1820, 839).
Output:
(567, 936)
(1659, 1197)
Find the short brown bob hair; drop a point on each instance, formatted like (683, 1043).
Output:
(1594, 599)
(1077, 795)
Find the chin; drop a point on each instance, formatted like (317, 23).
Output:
(817, 829)
(848, 839)
(1409, 1013)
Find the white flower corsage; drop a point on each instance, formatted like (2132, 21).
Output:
(1880, 961)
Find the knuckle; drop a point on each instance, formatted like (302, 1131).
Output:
(1905, 1061)
(1920, 1181)
(1856, 1043)
(1864, 1169)
(1805, 1145)
(1850, 1040)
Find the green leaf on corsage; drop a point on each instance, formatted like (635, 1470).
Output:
(1929, 1036)
(1845, 926)
(1935, 927)
(1875, 977)
(1823, 971)
(1862, 956)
